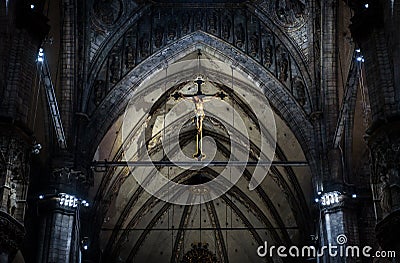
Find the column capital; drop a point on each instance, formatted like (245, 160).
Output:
(62, 202)
(333, 202)
(66, 176)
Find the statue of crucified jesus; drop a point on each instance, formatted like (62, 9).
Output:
(198, 99)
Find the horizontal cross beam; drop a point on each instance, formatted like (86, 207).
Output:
(200, 228)
(98, 164)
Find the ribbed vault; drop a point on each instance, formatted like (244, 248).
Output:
(134, 226)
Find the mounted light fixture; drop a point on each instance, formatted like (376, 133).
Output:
(331, 198)
(40, 57)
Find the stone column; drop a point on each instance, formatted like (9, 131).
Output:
(59, 206)
(59, 239)
(376, 29)
(68, 72)
(337, 218)
(339, 227)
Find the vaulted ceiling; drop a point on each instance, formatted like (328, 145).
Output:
(138, 227)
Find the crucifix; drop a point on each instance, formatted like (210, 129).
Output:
(198, 99)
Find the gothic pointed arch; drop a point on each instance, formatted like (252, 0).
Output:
(280, 98)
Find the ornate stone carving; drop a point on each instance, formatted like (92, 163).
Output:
(14, 173)
(99, 91)
(13, 159)
(198, 21)
(160, 27)
(158, 36)
(144, 46)
(283, 64)
(290, 11)
(107, 12)
(254, 44)
(268, 55)
(226, 27)
(130, 50)
(11, 233)
(115, 67)
(199, 253)
(186, 22)
(172, 29)
(12, 200)
(212, 23)
(240, 36)
(385, 166)
(69, 176)
(299, 90)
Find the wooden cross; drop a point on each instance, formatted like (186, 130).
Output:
(198, 99)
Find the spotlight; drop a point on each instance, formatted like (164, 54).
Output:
(40, 57)
(85, 243)
(41, 196)
(331, 198)
(36, 148)
(316, 200)
(319, 193)
(366, 5)
(358, 50)
(32, 6)
(354, 195)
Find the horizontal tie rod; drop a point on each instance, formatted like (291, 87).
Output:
(98, 164)
(200, 228)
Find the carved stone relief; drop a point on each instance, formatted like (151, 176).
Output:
(385, 164)
(226, 27)
(199, 253)
(240, 33)
(14, 175)
(70, 176)
(162, 26)
(130, 50)
(11, 233)
(290, 11)
(212, 23)
(283, 66)
(299, 90)
(107, 12)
